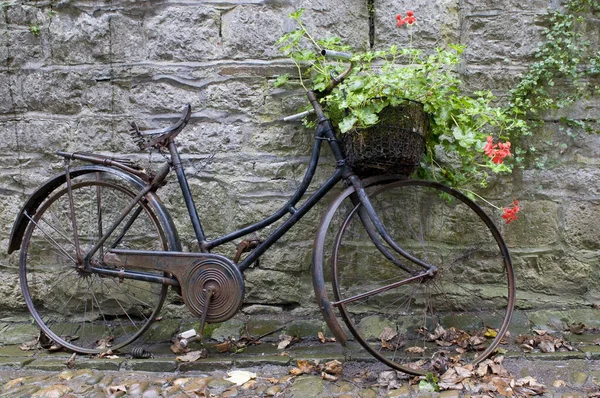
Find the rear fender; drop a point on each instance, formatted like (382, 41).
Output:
(37, 198)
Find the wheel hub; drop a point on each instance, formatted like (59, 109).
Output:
(216, 277)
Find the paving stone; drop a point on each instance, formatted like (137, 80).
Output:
(578, 379)
(151, 365)
(246, 362)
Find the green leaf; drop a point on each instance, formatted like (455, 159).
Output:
(347, 123)
(281, 80)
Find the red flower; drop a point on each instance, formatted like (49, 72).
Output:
(488, 149)
(497, 152)
(510, 213)
(410, 18)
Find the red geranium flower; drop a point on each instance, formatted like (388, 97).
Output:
(488, 149)
(410, 18)
(498, 151)
(510, 213)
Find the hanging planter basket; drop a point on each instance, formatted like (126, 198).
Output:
(392, 146)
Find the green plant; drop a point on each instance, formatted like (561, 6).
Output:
(460, 150)
(566, 57)
(35, 29)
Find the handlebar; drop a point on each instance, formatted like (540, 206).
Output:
(334, 80)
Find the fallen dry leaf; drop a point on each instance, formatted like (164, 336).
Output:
(192, 356)
(578, 328)
(239, 377)
(559, 383)
(104, 343)
(415, 350)
(114, 389)
(333, 367)
(328, 377)
(29, 345)
(304, 367)
(223, 347)
(71, 361)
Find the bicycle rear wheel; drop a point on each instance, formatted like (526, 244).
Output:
(77, 309)
(460, 311)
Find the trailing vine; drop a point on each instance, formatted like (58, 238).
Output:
(566, 56)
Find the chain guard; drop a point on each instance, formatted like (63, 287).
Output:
(224, 278)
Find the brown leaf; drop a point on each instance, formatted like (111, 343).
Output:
(502, 386)
(328, 377)
(321, 337)
(526, 348)
(438, 333)
(193, 356)
(114, 389)
(578, 328)
(540, 332)
(482, 368)
(415, 350)
(333, 367)
(223, 347)
(530, 385)
(387, 334)
(71, 361)
(29, 345)
(304, 367)
(104, 343)
(546, 346)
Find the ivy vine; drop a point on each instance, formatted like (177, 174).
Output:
(566, 56)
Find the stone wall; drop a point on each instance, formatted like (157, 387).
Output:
(74, 74)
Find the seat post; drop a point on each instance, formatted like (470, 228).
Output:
(187, 194)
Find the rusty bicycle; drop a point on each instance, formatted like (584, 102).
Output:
(415, 270)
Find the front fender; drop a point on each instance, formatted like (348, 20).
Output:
(37, 198)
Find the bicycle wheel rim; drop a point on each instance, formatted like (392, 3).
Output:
(81, 311)
(424, 205)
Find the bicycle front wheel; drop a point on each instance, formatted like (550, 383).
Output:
(411, 321)
(77, 309)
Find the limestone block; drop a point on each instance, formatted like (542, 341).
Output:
(491, 39)
(515, 7)
(77, 37)
(566, 183)
(349, 22)
(538, 225)
(250, 31)
(56, 92)
(185, 33)
(581, 224)
(555, 273)
(274, 287)
(24, 48)
(9, 92)
(127, 38)
(40, 136)
(236, 95)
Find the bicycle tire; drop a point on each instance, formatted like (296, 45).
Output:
(471, 296)
(79, 310)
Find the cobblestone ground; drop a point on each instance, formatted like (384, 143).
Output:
(37, 373)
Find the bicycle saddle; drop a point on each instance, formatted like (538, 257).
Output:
(159, 137)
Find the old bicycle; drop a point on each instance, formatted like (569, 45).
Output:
(407, 265)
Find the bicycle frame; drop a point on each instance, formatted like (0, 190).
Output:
(324, 132)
